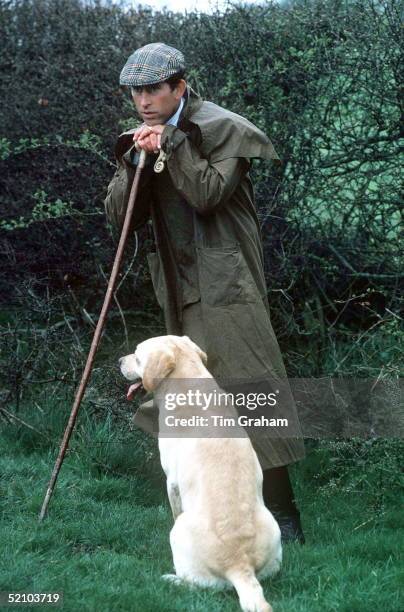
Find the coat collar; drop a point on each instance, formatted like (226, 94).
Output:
(193, 103)
(225, 134)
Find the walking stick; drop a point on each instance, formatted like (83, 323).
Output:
(97, 335)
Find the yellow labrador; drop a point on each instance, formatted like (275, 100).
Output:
(223, 534)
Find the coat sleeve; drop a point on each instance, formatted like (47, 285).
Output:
(204, 185)
(118, 192)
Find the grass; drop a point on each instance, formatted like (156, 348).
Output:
(105, 542)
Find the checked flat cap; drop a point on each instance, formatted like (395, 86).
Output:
(151, 64)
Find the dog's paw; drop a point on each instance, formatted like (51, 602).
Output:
(173, 578)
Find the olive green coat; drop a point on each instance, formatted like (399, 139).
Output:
(207, 271)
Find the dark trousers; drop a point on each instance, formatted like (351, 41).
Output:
(278, 493)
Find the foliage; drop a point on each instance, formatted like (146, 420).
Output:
(42, 211)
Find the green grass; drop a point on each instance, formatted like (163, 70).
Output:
(105, 542)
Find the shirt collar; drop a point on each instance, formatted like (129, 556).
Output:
(173, 120)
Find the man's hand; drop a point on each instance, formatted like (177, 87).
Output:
(148, 137)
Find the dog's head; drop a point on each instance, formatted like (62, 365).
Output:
(155, 359)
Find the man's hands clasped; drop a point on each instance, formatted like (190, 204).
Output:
(148, 137)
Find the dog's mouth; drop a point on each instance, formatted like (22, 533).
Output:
(133, 389)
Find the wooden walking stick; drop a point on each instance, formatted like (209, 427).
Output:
(97, 335)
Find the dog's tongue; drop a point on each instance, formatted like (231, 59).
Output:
(132, 390)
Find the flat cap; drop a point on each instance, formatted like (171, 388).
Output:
(151, 64)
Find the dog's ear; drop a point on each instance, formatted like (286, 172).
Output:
(196, 348)
(159, 365)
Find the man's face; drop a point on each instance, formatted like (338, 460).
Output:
(157, 103)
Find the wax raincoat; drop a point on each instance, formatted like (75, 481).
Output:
(207, 270)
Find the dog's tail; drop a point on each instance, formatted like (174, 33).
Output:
(248, 589)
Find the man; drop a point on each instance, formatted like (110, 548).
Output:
(207, 271)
